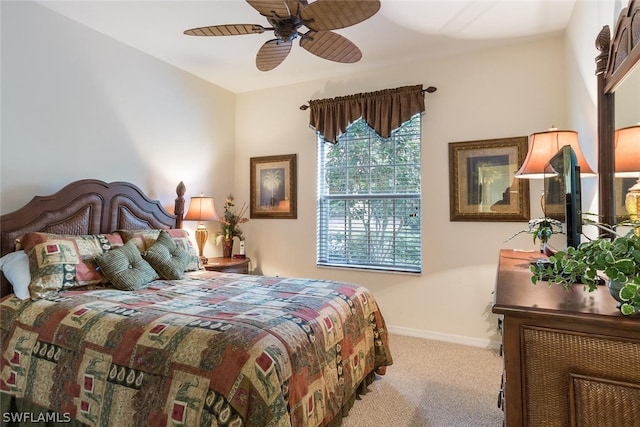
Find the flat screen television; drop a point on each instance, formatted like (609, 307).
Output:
(562, 193)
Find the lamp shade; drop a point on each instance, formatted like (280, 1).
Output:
(543, 146)
(627, 151)
(201, 209)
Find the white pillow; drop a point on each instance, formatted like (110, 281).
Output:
(15, 266)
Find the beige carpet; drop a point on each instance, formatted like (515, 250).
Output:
(432, 384)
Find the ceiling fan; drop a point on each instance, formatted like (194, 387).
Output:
(287, 16)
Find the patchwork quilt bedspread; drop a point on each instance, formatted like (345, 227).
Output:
(210, 349)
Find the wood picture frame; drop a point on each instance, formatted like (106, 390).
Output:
(273, 187)
(482, 183)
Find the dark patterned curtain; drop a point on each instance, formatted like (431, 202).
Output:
(384, 111)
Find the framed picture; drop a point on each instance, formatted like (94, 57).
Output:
(482, 183)
(273, 187)
(622, 186)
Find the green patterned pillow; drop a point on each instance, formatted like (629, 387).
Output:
(125, 268)
(145, 238)
(166, 257)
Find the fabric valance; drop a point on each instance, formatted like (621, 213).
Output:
(384, 111)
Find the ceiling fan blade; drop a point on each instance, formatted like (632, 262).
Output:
(331, 46)
(272, 53)
(327, 15)
(279, 8)
(226, 30)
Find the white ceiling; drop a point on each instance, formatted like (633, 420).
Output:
(402, 31)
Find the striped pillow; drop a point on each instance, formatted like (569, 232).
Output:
(145, 238)
(166, 257)
(125, 268)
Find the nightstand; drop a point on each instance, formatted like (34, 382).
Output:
(228, 265)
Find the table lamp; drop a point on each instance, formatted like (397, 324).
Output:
(542, 147)
(627, 163)
(201, 209)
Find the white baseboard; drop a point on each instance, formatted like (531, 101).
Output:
(456, 339)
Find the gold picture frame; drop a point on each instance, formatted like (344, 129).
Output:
(482, 183)
(273, 187)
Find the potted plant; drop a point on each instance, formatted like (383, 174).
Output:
(542, 229)
(230, 222)
(617, 258)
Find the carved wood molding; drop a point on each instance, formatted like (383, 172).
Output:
(603, 44)
(624, 52)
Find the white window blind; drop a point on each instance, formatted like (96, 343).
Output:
(369, 199)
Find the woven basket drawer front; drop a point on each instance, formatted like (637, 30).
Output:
(600, 402)
(552, 356)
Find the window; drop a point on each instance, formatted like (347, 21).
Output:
(369, 199)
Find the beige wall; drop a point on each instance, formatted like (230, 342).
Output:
(93, 108)
(77, 104)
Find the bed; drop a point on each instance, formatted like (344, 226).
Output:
(201, 348)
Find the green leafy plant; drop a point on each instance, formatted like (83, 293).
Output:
(630, 294)
(617, 258)
(541, 229)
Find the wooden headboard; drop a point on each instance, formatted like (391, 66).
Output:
(88, 206)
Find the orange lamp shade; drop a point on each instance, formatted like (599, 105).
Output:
(543, 146)
(627, 151)
(201, 209)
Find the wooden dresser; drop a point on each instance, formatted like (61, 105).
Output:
(570, 357)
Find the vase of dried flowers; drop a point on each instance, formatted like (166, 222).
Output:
(230, 222)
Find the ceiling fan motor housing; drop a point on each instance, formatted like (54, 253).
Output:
(286, 29)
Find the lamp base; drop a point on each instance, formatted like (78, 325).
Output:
(632, 204)
(201, 239)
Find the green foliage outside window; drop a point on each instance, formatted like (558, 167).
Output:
(369, 199)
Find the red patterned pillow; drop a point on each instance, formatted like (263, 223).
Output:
(63, 261)
(145, 238)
